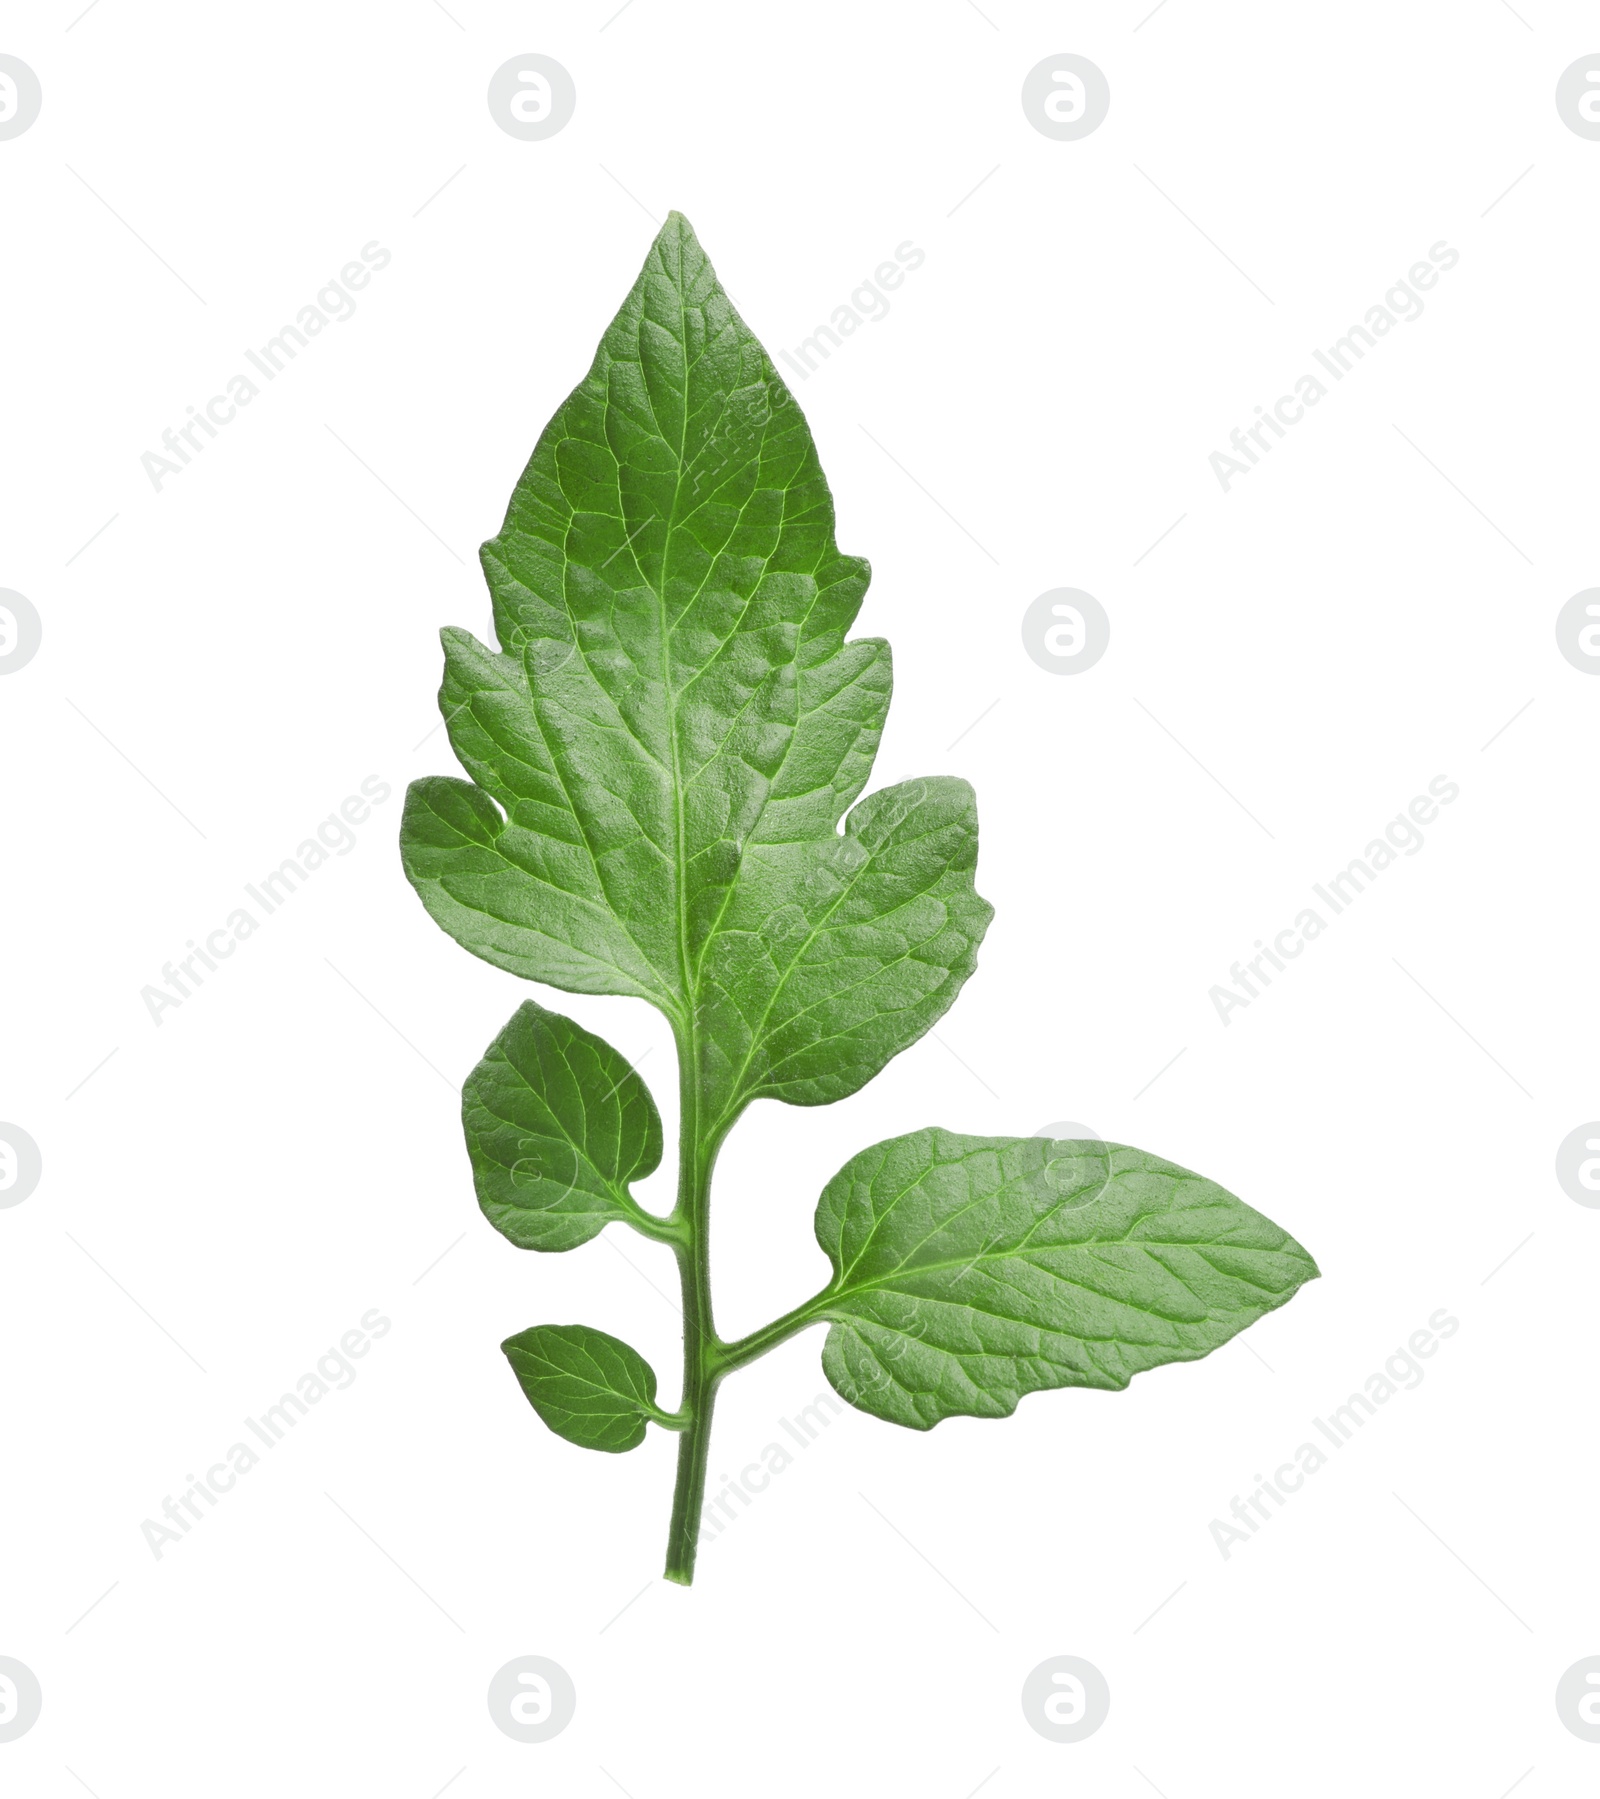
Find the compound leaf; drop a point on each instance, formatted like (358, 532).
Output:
(969, 1271)
(593, 1389)
(666, 750)
(558, 1123)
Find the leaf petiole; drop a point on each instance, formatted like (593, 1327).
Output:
(757, 1343)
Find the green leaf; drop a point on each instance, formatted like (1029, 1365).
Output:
(666, 751)
(590, 1388)
(558, 1125)
(663, 747)
(969, 1271)
(833, 957)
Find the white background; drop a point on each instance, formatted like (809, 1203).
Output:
(1288, 668)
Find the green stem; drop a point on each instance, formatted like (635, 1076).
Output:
(746, 1349)
(702, 1351)
(706, 1358)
